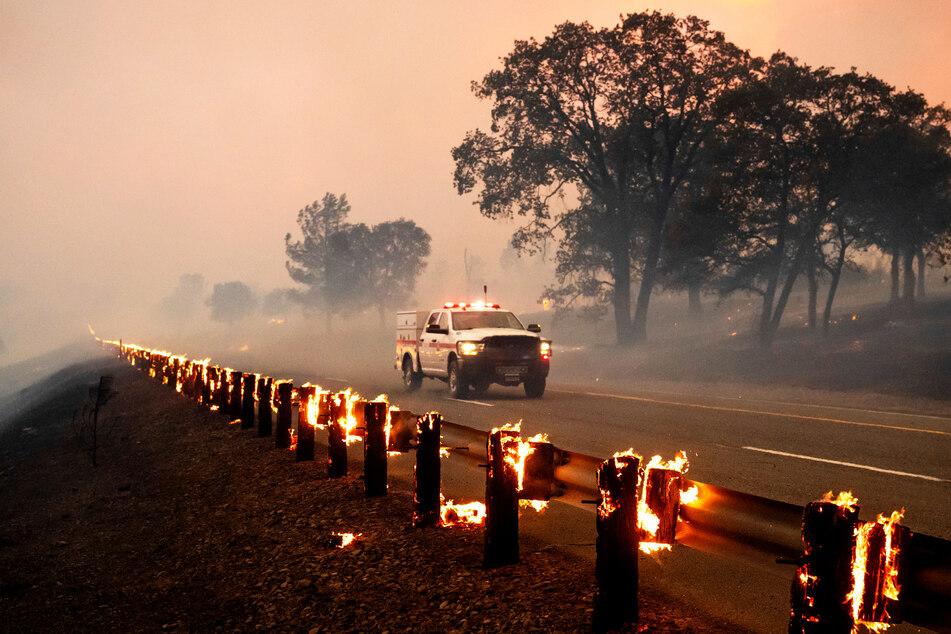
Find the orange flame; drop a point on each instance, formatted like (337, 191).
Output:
(347, 538)
(452, 514)
(889, 568)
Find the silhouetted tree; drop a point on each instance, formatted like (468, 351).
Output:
(618, 115)
(231, 301)
(347, 267)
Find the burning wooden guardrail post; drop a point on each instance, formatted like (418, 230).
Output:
(615, 599)
(282, 436)
(337, 437)
(426, 475)
(306, 430)
(222, 397)
(374, 448)
(501, 501)
(206, 381)
(247, 401)
(851, 572)
(234, 409)
(821, 588)
(264, 407)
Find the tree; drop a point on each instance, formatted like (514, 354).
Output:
(347, 267)
(324, 261)
(613, 119)
(186, 299)
(903, 180)
(397, 250)
(231, 301)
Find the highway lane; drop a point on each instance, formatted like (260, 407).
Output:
(784, 451)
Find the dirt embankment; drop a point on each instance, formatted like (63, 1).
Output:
(190, 524)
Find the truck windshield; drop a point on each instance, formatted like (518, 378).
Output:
(485, 319)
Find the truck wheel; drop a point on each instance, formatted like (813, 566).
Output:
(458, 387)
(535, 388)
(411, 380)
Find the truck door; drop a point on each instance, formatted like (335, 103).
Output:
(442, 346)
(428, 345)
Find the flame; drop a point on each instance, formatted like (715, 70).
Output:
(845, 499)
(538, 506)
(293, 436)
(647, 521)
(346, 538)
(452, 514)
(690, 496)
(889, 568)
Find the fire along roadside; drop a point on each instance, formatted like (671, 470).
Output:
(851, 574)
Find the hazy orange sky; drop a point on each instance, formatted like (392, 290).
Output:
(143, 140)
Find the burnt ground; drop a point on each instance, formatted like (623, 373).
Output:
(189, 524)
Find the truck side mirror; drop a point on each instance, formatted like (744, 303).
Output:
(433, 329)
(534, 328)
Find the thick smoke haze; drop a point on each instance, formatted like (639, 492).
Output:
(143, 141)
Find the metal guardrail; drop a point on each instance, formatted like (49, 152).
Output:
(748, 527)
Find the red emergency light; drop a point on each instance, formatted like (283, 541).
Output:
(466, 305)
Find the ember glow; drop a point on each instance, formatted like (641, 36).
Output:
(844, 499)
(346, 539)
(452, 514)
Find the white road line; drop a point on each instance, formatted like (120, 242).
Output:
(847, 464)
(460, 400)
(762, 412)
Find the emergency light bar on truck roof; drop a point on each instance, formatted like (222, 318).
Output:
(465, 305)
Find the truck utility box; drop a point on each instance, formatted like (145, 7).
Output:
(471, 346)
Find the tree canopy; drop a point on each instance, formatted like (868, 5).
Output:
(346, 268)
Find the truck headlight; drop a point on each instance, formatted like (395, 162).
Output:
(469, 348)
(545, 349)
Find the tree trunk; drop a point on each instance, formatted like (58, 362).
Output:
(694, 307)
(767, 337)
(836, 273)
(908, 286)
(894, 292)
(922, 260)
(648, 277)
(621, 263)
(813, 294)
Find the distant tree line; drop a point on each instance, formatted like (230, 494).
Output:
(658, 152)
(343, 269)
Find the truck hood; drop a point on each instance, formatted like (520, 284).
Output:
(478, 334)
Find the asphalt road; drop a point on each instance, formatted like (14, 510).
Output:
(783, 451)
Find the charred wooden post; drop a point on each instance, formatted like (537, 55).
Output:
(824, 580)
(501, 503)
(662, 498)
(337, 438)
(305, 430)
(247, 401)
(615, 569)
(402, 430)
(234, 408)
(539, 474)
(427, 501)
(264, 407)
(222, 398)
(282, 436)
(207, 379)
(374, 449)
(175, 376)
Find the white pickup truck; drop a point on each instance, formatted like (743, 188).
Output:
(471, 346)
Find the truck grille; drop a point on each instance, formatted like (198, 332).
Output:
(511, 346)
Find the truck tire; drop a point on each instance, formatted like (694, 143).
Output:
(458, 387)
(535, 388)
(411, 379)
